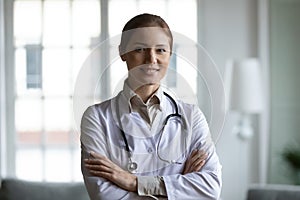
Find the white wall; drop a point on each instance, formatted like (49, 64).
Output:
(230, 32)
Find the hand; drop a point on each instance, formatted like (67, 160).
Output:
(195, 162)
(101, 166)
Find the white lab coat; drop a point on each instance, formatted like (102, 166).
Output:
(100, 132)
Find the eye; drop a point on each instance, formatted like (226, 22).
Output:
(161, 50)
(139, 49)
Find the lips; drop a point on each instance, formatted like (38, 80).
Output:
(149, 70)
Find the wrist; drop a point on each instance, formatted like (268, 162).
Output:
(133, 186)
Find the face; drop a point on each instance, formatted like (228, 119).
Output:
(147, 56)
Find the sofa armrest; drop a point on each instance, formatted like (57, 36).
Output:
(273, 192)
(14, 189)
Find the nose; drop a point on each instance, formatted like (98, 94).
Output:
(151, 56)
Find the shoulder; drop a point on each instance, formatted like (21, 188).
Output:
(188, 108)
(193, 114)
(98, 109)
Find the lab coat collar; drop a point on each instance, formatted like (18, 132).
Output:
(129, 94)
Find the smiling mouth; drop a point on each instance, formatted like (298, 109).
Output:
(150, 70)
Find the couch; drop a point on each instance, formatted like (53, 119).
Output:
(274, 192)
(14, 189)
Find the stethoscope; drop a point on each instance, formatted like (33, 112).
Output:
(132, 166)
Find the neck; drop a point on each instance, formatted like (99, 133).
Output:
(146, 91)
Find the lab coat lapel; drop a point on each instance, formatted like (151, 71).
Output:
(134, 125)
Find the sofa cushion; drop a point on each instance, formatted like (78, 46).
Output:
(274, 192)
(13, 189)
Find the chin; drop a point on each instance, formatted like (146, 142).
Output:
(150, 84)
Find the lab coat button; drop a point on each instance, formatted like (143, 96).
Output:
(150, 150)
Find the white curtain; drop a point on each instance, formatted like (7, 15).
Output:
(2, 92)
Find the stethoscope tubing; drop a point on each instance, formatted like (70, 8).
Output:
(132, 166)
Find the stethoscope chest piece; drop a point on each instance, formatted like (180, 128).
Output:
(132, 167)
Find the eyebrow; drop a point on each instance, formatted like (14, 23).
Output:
(144, 44)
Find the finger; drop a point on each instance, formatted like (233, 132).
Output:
(92, 161)
(113, 177)
(99, 168)
(194, 153)
(201, 164)
(198, 166)
(201, 155)
(187, 167)
(197, 160)
(99, 161)
(96, 162)
(189, 160)
(191, 157)
(100, 174)
(194, 168)
(96, 155)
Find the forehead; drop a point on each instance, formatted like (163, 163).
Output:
(148, 36)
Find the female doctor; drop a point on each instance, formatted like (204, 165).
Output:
(143, 143)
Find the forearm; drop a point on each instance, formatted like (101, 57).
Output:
(155, 185)
(101, 189)
(108, 174)
(203, 185)
(151, 186)
(194, 185)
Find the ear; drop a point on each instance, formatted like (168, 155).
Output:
(121, 54)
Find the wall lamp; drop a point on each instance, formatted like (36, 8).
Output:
(246, 96)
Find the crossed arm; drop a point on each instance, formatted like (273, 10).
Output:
(201, 176)
(100, 166)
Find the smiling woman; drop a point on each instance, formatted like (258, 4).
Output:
(143, 143)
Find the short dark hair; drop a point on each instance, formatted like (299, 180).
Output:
(145, 20)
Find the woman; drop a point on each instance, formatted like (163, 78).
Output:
(142, 143)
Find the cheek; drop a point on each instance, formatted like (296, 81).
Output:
(165, 62)
(133, 61)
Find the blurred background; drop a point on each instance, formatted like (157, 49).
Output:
(45, 43)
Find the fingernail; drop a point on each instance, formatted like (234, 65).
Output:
(92, 154)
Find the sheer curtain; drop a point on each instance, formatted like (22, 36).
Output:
(2, 93)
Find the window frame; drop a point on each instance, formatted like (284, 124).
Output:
(9, 94)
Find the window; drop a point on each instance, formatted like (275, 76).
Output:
(52, 39)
